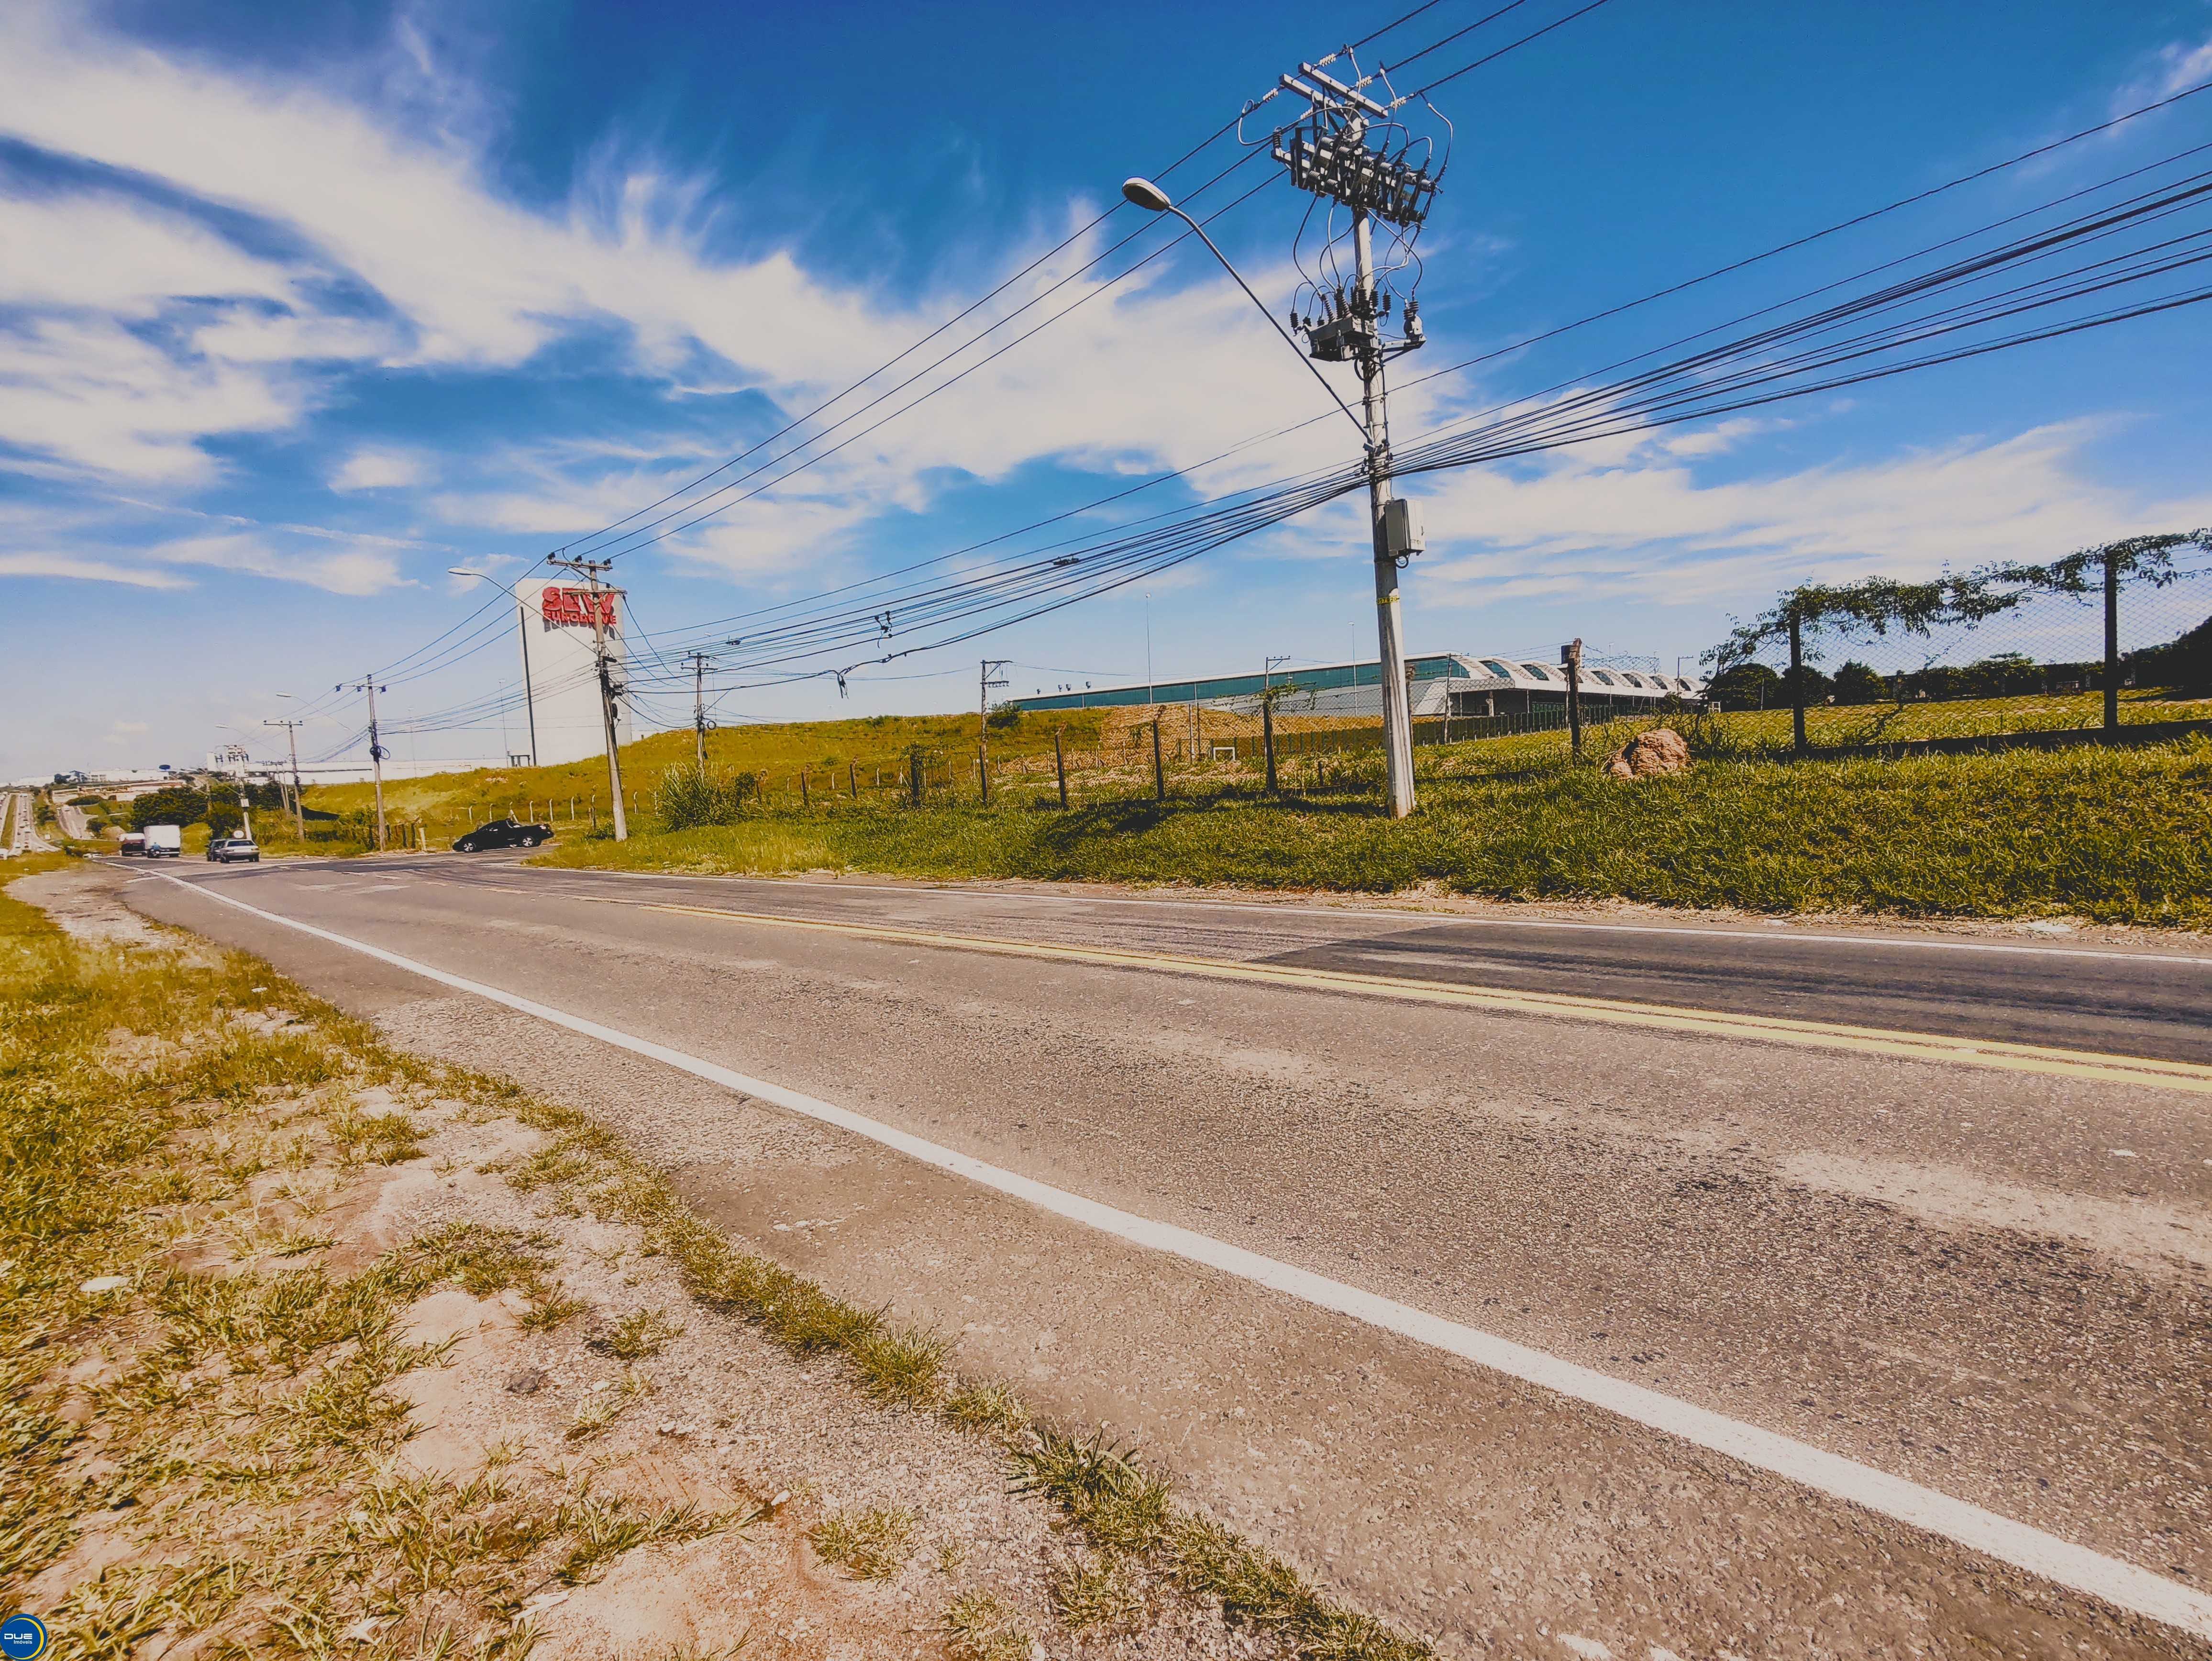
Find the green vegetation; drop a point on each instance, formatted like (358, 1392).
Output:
(2117, 834)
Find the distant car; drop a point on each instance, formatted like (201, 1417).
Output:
(225, 849)
(134, 842)
(502, 833)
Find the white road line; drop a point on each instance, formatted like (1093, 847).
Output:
(1437, 919)
(2121, 1584)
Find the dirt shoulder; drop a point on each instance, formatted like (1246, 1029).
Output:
(313, 1345)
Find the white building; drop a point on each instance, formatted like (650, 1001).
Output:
(561, 715)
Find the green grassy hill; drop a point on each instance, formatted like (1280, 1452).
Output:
(778, 752)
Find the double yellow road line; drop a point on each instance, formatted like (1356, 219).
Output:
(1764, 1029)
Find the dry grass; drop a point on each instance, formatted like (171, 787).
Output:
(869, 1545)
(238, 1438)
(641, 1333)
(979, 1628)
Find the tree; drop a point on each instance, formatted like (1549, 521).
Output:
(1856, 683)
(174, 804)
(1742, 686)
(1873, 605)
(2184, 665)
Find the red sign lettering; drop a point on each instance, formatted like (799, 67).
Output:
(571, 607)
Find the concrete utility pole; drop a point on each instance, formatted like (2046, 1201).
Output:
(1328, 152)
(375, 748)
(699, 662)
(991, 666)
(292, 741)
(600, 597)
(1389, 615)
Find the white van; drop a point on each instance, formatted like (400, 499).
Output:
(164, 842)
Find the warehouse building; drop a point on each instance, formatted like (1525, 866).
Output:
(1453, 684)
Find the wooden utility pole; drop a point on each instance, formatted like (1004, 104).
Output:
(1571, 656)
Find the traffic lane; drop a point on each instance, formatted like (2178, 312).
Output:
(1695, 1216)
(2124, 1006)
(2151, 1004)
(1486, 1513)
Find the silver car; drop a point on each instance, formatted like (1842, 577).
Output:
(225, 849)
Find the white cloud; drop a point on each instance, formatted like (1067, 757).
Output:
(405, 207)
(358, 570)
(21, 563)
(380, 470)
(1649, 528)
(88, 391)
(131, 726)
(2179, 64)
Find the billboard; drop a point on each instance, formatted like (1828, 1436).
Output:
(563, 720)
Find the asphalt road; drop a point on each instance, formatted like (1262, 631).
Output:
(1986, 1278)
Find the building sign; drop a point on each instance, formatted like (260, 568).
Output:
(570, 607)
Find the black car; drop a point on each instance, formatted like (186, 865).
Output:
(502, 833)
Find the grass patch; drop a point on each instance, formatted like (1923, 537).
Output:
(1092, 1593)
(641, 1333)
(979, 1628)
(869, 1545)
(1130, 1512)
(2113, 834)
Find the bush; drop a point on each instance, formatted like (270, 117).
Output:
(691, 796)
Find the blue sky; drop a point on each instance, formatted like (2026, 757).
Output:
(304, 305)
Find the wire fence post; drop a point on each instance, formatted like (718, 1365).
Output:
(1267, 738)
(1571, 656)
(1059, 766)
(1159, 767)
(914, 777)
(2112, 640)
(1797, 679)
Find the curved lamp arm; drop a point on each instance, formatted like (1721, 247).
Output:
(1149, 196)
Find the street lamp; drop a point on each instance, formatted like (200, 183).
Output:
(1145, 194)
(522, 622)
(1394, 526)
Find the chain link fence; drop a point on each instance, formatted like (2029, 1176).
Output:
(2037, 667)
